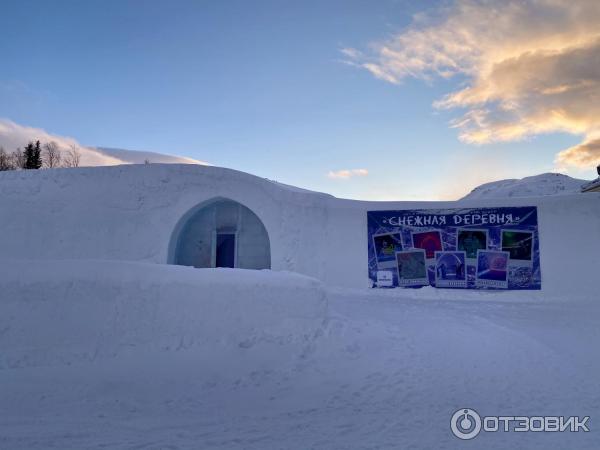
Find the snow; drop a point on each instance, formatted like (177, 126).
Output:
(534, 186)
(591, 185)
(99, 309)
(104, 345)
(99, 354)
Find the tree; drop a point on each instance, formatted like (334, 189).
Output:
(18, 159)
(51, 155)
(33, 155)
(72, 158)
(5, 161)
(28, 153)
(37, 155)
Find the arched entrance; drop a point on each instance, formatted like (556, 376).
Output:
(221, 233)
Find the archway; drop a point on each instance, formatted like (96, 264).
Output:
(221, 233)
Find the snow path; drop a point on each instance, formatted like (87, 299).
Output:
(385, 372)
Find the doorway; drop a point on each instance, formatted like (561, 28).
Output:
(243, 239)
(225, 250)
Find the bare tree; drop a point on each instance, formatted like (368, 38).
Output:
(5, 161)
(51, 155)
(18, 159)
(72, 158)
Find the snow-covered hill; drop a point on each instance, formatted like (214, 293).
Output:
(13, 136)
(534, 186)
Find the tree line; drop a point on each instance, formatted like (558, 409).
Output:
(38, 156)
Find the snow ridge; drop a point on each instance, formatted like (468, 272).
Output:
(534, 186)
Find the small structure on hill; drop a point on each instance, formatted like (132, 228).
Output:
(594, 185)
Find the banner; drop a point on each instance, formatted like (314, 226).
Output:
(474, 248)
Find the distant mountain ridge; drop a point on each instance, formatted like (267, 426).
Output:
(534, 186)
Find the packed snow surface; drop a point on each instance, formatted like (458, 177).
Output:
(534, 186)
(107, 354)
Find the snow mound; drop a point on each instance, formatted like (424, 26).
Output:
(534, 186)
(64, 312)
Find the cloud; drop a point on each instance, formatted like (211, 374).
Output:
(13, 136)
(585, 154)
(139, 157)
(530, 67)
(347, 173)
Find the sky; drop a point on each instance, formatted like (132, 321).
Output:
(372, 100)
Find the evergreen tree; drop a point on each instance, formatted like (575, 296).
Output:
(33, 155)
(37, 156)
(28, 153)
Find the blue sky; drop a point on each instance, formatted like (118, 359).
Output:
(261, 87)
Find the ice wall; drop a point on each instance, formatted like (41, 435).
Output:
(131, 213)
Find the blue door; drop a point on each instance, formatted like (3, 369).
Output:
(225, 250)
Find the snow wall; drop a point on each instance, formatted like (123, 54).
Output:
(135, 212)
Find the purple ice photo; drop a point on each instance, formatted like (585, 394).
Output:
(492, 268)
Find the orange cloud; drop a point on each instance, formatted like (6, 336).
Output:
(586, 154)
(532, 67)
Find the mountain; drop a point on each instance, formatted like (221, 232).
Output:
(537, 185)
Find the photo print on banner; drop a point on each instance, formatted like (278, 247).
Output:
(468, 248)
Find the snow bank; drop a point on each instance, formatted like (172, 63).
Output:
(131, 213)
(63, 312)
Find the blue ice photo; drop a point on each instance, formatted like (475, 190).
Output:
(450, 269)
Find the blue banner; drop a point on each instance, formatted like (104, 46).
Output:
(468, 248)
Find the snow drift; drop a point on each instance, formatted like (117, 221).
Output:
(64, 312)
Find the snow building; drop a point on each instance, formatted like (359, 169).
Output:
(204, 216)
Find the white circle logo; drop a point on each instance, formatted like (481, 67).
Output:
(465, 423)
